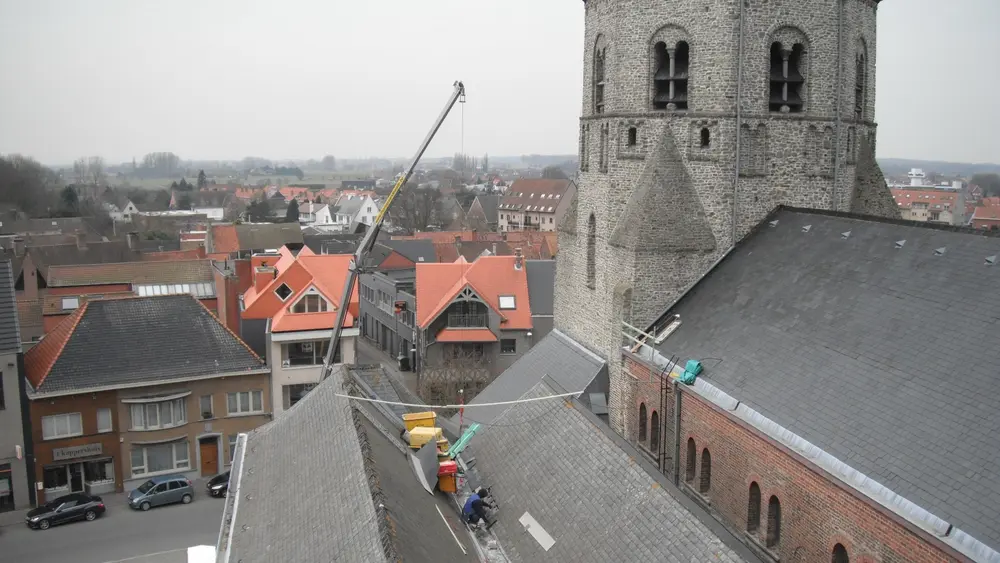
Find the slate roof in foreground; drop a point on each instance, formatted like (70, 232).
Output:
(352, 461)
(883, 356)
(117, 342)
(587, 489)
(557, 356)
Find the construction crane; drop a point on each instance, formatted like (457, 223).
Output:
(368, 240)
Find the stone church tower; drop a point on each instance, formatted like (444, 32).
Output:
(699, 118)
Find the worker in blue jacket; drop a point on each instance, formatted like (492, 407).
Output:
(474, 509)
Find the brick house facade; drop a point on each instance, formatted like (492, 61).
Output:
(816, 512)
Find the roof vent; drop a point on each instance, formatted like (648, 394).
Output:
(991, 260)
(900, 243)
(939, 251)
(773, 223)
(845, 235)
(806, 228)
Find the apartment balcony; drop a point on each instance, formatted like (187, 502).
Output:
(467, 320)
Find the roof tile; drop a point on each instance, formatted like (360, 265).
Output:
(489, 276)
(176, 271)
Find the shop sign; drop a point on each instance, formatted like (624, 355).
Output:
(76, 451)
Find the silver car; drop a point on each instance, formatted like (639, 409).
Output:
(166, 489)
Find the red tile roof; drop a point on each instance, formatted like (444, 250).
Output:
(489, 276)
(542, 195)
(170, 255)
(177, 271)
(466, 335)
(990, 202)
(327, 273)
(935, 199)
(38, 361)
(224, 239)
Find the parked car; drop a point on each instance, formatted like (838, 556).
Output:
(165, 489)
(77, 506)
(218, 486)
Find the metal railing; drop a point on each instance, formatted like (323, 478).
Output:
(467, 320)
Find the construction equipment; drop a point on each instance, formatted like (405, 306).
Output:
(368, 241)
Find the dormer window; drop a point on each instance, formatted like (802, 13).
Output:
(283, 292)
(507, 302)
(311, 303)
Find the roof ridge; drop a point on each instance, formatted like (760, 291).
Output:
(960, 229)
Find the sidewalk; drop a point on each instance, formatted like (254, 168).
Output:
(368, 353)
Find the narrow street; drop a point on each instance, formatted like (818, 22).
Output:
(121, 533)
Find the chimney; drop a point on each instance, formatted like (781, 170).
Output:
(81, 240)
(494, 249)
(518, 259)
(133, 240)
(263, 276)
(18, 246)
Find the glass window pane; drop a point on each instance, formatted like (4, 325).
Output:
(160, 457)
(137, 459)
(206, 406)
(166, 414)
(62, 426)
(48, 427)
(104, 420)
(257, 401)
(181, 451)
(244, 400)
(138, 416)
(233, 406)
(152, 416)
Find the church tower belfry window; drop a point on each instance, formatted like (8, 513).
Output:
(600, 77)
(786, 78)
(670, 77)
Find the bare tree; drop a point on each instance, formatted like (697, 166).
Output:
(80, 170)
(416, 208)
(95, 171)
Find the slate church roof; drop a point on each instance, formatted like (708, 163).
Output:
(874, 340)
(588, 490)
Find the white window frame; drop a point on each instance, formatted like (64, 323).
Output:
(307, 293)
(178, 463)
(70, 303)
(508, 305)
(243, 409)
(110, 427)
(68, 417)
(232, 447)
(176, 407)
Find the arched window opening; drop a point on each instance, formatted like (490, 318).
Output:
(706, 138)
(600, 61)
(860, 77)
(705, 483)
(692, 454)
(753, 509)
(654, 433)
(840, 554)
(591, 252)
(642, 422)
(633, 137)
(670, 79)
(786, 78)
(773, 522)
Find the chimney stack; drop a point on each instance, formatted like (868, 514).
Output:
(81, 240)
(518, 259)
(261, 279)
(18, 246)
(133, 240)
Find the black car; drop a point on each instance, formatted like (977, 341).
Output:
(218, 486)
(77, 506)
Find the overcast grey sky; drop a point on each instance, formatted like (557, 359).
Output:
(224, 79)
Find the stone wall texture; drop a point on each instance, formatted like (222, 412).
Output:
(668, 205)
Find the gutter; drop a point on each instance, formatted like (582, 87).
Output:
(45, 395)
(835, 204)
(739, 121)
